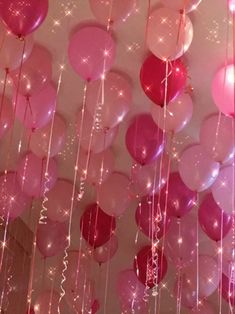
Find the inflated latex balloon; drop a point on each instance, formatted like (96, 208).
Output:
(228, 290)
(47, 302)
(187, 5)
(105, 252)
(6, 116)
(231, 4)
(227, 247)
(188, 293)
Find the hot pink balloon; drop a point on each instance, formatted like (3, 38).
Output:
(215, 137)
(223, 90)
(47, 302)
(91, 58)
(228, 290)
(46, 143)
(113, 103)
(187, 5)
(95, 306)
(197, 170)
(31, 172)
(6, 115)
(203, 308)
(35, 74)
(105, 252)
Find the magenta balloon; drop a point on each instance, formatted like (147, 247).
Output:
(47, 302)
(187, 5)
(144, 140)
(31, 175)
(6, 116)
(35, 74)
(203, 308)
(36, 112)
(105, 252)
(24, 17)
(12, 200)
(223, 90)
(113, 103)
(197, 170)
(228, 290)
(91, 58)
(216, 139)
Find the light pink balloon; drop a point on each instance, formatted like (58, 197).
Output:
(223, 189)
(177, 115)
(6, 115)
(197, 170)
(91, 52)
(100, 140)
(104, 253)
(223, 90)
(31, 175)
(169, 34)
(114, 194)
(47, 302)
(226, 247)
(100, 166)
(44, 143)
(187, 5)
(216, 137)
(203, 308)
(36, 111)
(113, 103)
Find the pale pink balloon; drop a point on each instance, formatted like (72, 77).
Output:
(109, 99)
(170, 34)
(31, 175)
(36, 111)
(177, 115)
(91, 139)
(226, 247)
(197, 170)
(100, 166)
(91, 52)
(6, 115)
(46, 143)
(59, 200)
(47, 302)
(203, 308)
(216, 137)
(112, 11)
(104, 253)
(187, 5)
(35, 74)
(114, 195)
(223, 90)
(223, 189)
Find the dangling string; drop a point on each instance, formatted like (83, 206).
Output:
(179, 277)
(3, 91)
(197, 255)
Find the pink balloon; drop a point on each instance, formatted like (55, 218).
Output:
(197, 170)
(36, 72)
(47, 302)
(113, 103)
(170, 34)
(223, 189)
(90, 139)
(228, 290)
(216, 139)
(223, 90)
(177, 115)
(187, 5)
(105, 252)
(12, 200)
(46, 143)
(31, 175)
(36, 111)
(187, 293)
(226, 247)
(144, 140)
(91, 58)
(6, 115)
(203, 308)
(231, 6)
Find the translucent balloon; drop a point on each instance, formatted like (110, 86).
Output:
(187, 5)
(47, 302)
(105, 252)
(203, 308)
(170, 34)
(6, 116)
(197, 170)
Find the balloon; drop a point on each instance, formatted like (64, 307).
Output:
(144, 140)
(203, 308)
(47, 302)
(155, 77)
(197, 170)
(113, 103)
(150, 266)
(36, 111)
(187, 293)
(46, 143)
(51, 238)
(6, 115)
(114, 194)
(95, 307)
(11, 49)
(100, 166)
(91, 139)
(228, 290)
(223, 189)
(187, 5)
(31, 175)
(35, 74)
(231, 4)
(214, 221)
(12, 200)
(227, 248)
(112, 11)
(96, 226)
(91, 58)
(176, 116)
(152, 219)
(223, 90)
(170, 34)
(216, 139)
(180, 199)
(105, 252)
(24, 17)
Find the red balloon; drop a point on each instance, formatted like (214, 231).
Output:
(144, 140)
(228, 290)
(23, 17)
(95, 306)
(150, 267)
(153, 79)
(96, 226)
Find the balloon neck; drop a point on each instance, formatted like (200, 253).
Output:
(182, 11)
